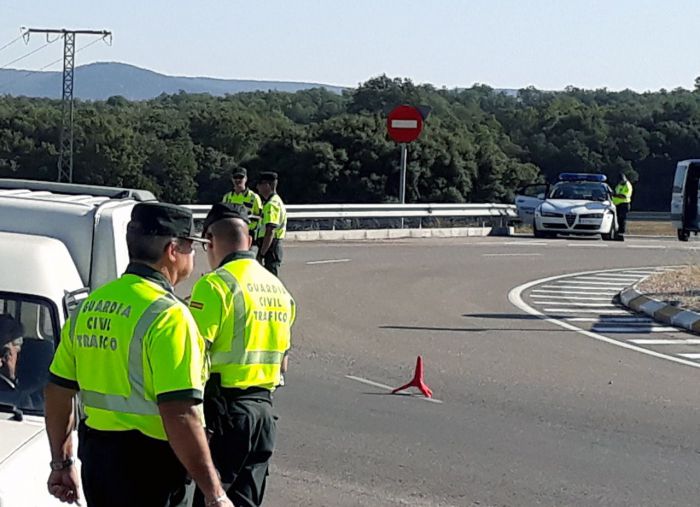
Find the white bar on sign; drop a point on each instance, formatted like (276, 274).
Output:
(404, 124)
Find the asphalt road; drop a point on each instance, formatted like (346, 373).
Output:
(531, 413)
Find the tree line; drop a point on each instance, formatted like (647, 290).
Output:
(478, 144)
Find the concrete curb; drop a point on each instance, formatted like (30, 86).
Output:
(380, 234)
(658, 310)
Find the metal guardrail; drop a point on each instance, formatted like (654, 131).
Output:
(333, 211)
(649, 216)
(487, 210)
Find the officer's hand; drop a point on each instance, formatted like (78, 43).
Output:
(224, 502)
(65, 485)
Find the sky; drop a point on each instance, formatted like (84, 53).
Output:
(615, 44)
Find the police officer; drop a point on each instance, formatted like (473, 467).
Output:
(622, 198)
(273, 226)
(241, 194)
(246, 314)
(132, 352)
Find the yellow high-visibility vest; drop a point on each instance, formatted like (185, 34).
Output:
(625, 189)
(251, 201)
(274, 213)
(246, 313)
(130, 345)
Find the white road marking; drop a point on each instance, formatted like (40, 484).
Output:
(653, 247)
(575, 298)
(576, 303)
(523, 243)
(329, 261)
(577, 292)
(585, 287)
(510, 254)
(634, 329)
(609, 280)
(596, 284)
(574, 310)
(515, 297)
(690, 356)
(389, 388)
(690, 341)
(584, 245)
(610, 320)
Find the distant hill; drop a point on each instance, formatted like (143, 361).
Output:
(99, 81)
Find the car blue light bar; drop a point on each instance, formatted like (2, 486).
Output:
(582, 177)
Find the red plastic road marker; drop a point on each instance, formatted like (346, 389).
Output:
(417, 381)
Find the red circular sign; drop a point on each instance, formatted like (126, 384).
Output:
(404, 124)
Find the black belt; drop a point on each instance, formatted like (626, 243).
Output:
(214, 386)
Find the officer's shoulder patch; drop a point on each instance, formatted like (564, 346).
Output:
(196, 305)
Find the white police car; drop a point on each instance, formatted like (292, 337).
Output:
(579, 203)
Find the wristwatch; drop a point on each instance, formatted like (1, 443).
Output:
(61, 465)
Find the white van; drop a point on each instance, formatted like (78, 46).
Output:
(57, 242)
(685, 200)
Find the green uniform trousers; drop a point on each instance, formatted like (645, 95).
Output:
(243, 429)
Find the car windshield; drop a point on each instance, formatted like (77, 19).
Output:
(580, 190)
(28, 334)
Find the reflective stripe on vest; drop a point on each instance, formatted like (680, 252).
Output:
(136, 403)
(238, 353)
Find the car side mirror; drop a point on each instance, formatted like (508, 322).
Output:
(540, 196)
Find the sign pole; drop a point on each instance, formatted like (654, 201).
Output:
(404, 157)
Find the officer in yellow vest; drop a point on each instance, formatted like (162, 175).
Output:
(133, 354)
(273, 226)
(622, 198)
(246, 314)
(241, 194)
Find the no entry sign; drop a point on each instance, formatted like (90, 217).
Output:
(404, 124)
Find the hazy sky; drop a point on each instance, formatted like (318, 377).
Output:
(640, 44)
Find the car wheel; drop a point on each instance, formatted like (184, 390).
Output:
(536, 232)
(612, 235)
(683, 235)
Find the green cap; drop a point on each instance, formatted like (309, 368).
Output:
(163, 219)
(222, 210)
(268, 176)
(239, 171)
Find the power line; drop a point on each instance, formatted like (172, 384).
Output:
(11, 42)
(27, 55)
(59, 60)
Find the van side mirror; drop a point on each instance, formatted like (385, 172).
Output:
(72, 299)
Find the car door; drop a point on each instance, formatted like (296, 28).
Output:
(528, 198)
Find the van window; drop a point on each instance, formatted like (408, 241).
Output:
(679, 179)
(28, 337)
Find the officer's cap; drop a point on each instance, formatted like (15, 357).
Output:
(10, 329)
(239, 171)
(222, 210)
(268, 176)
(163, 219)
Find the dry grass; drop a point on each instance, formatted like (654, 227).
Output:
(680, 287)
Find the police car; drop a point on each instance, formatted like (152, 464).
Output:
(578, 203)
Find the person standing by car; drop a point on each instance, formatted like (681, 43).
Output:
(133, 354)
(622, 198)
